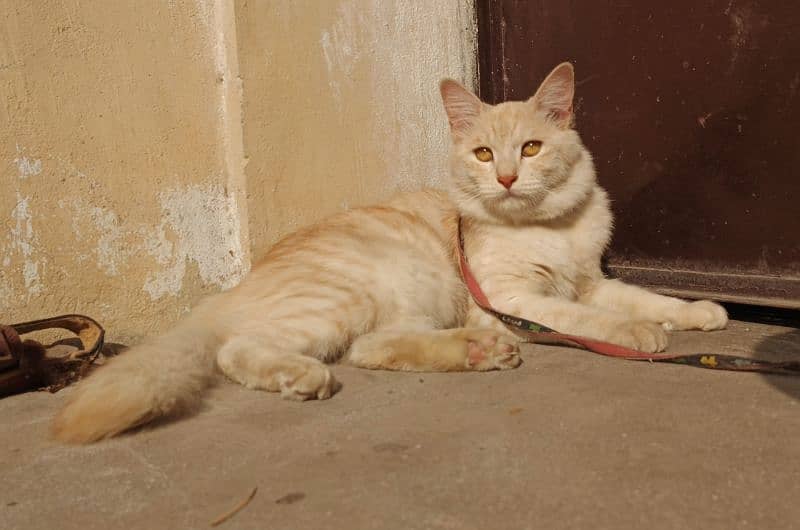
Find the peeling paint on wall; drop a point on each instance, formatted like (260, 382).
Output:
(111, 249)
(22, 241)
(198, 223)
(101, 228)
(28, 167)
(205, 225)
(342, 44)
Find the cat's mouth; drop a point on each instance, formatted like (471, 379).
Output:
(502, 195)
(509, 197)
(516, 196)
(508, 200)
(515, 202)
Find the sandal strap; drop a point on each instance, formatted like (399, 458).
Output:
(87, 329)
(24, 365)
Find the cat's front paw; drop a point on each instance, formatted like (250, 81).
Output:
(492, 350)
(639, 335)
(703, 315)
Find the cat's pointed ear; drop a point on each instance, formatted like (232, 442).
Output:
(555, 95)
(461, 105)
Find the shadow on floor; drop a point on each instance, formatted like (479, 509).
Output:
(782, 347)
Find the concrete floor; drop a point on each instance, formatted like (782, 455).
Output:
(569, 440)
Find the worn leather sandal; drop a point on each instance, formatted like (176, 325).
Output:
(27, 365)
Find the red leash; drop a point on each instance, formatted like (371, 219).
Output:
(536, 332)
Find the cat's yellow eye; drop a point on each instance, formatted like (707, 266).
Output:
(484, 154)
(531, 148)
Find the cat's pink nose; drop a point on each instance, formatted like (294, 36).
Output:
(507, 181)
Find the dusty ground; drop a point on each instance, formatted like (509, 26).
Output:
(569, 440)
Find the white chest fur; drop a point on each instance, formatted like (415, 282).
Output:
(553, 258)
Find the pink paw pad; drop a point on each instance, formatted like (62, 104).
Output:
(475, 354)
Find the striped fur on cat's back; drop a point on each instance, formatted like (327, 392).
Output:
(378, 287)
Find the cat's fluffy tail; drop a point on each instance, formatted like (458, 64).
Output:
(160, 377)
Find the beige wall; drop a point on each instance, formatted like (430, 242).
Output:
(148, 149)
(342, 104)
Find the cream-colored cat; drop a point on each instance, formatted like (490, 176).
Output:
(379, 287)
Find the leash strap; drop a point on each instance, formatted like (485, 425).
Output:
(535, 332)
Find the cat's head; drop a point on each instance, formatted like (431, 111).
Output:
(518, 161)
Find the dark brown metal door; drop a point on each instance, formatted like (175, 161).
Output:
(692, 112)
